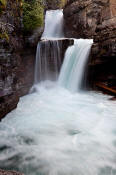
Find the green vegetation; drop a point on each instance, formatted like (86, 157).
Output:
(4, 35)
(33, 14)
(3, 2)
(2, 5)
(62, 3)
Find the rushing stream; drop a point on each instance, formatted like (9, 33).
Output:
(55, 132)
(59, 129)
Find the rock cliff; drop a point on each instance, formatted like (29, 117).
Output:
(15, 67)
(95, 19)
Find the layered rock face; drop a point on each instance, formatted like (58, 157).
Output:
(16, 66)
(95, 19)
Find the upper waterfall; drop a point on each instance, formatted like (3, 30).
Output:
(75, 60)
(53, 24)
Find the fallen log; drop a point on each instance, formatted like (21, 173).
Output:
(109, 90)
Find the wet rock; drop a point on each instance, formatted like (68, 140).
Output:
(3, 172)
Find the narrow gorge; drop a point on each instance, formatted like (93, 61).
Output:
(55, 118)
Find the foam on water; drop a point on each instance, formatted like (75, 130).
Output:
(55, 132)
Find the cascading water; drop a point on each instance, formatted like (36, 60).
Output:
(53, 24)
(48, 60)
(74, 64)
(48, 57)
(56, 132)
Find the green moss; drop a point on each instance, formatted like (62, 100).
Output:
(2, 5)
(5, 36)
(32, 15)
(3, 2)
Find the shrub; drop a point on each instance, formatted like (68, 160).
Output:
(32, 15)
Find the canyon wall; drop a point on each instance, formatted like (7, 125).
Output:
(95, 19)
(103, 59)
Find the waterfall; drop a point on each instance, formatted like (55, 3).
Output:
(75, 60)
(48, 60)
(48, 56)
(54, 131)
(53, 24)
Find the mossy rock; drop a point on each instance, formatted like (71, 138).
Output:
(54, 4)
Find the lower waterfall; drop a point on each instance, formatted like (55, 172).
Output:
(74, 64)
(48, 62)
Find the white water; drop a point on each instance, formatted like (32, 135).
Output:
(75, 60)
(53, 24)
(48, 57)
(55, 132)
(48, 60)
